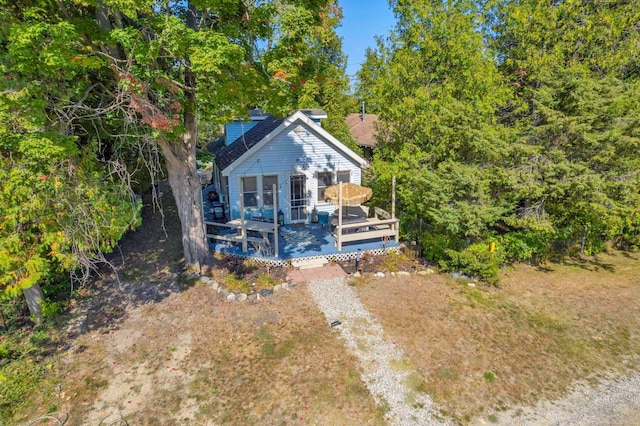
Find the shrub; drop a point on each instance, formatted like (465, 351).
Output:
(476, 261)
(234, 283)
(265, 281)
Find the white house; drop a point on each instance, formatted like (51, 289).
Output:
(295, 153)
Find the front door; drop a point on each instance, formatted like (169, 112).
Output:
(298, 198)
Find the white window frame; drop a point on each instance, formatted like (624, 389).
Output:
(245, 192)
(268, 190)
(320, 189)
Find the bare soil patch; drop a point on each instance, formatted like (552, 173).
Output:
(484, 349)
(196, 358)
(156, 349)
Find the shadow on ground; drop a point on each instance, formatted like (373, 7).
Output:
(145, 267)
(587, 263)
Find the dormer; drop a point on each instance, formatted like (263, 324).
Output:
(237, 128)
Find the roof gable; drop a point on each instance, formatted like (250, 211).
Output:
(229, 157)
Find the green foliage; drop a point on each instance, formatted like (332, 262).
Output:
(476, 261)
(22, 369)
(233, 283)
(509, 122)
(265, 281)
(50, 309)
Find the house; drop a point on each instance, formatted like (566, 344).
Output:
(363, 129)
(295, 154)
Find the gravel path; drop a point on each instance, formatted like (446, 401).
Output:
(384, 367)
(613, 402)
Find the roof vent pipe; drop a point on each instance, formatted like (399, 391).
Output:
(363, 111)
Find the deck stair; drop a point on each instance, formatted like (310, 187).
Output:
(308, 263)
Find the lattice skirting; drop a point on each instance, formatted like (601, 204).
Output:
(337, 257)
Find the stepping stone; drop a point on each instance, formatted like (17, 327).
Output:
(309, 263)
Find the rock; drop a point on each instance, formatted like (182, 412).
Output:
(357, 274)
(423, 273)
(455, 275)
(285, 286)
(393, 274)
(241, 297)
(292, 284)
(204, 279)
(379, 275)
(215, 285)
(277, 287)
(404, 273)
(252, 297)
(430, 271)
(231, 297)
(266, 293)
(223, 291)
(471, 285)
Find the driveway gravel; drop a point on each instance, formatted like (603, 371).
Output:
(383, 365)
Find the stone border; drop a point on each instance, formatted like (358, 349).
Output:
(241, 297)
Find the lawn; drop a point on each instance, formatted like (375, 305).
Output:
(165, 350)
(483, 349)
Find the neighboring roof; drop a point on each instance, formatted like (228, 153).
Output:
(225, 155)
(228, 157)
(364, 132)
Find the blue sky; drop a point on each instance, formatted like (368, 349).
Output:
(363, 20)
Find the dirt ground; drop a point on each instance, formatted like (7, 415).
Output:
(484, 349)
(156, 349)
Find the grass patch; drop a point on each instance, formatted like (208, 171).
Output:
(360, 281)
(394, 261)
(266, 281)
(416, 383)
(233, 283)
(540, 331)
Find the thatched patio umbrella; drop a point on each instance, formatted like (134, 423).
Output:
(352, 194)
(347, 194)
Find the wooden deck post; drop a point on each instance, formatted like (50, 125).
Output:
(339, 229)
(275, 220)
(393, 208)
(243, 231)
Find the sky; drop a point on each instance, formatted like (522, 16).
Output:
(362, 21)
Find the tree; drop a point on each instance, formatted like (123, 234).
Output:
(156, 66)
(574, 68)
(441, 90)
(61, 207)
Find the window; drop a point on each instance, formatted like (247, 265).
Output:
(250, 191)
(344, 177)
(325, 180)
(267, 189)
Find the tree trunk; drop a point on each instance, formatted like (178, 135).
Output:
(185, 185)
(180, 159)
(34, 296)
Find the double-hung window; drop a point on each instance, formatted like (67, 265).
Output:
(250, 191)
(267, 189)
(343, 176)
(325, 180)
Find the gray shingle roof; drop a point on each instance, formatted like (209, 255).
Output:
(226, 155)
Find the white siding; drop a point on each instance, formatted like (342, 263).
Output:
(295, 150)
